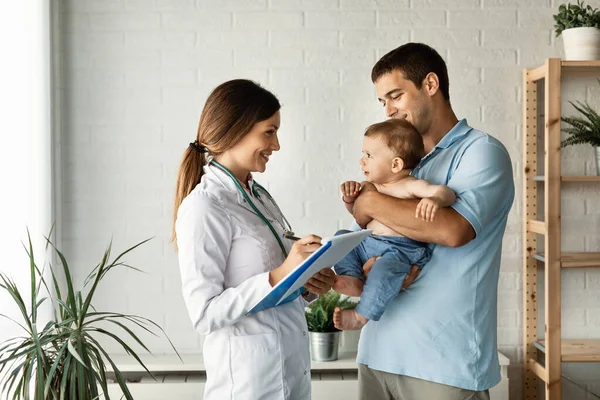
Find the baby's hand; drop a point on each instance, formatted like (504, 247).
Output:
(350, 191)
(426, 209)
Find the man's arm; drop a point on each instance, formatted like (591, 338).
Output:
(349, 206)
(484, 188)
(449, 228)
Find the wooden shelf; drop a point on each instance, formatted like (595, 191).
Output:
(538, 227)
(575, 260)
(580, 65)
(538, 73)
(587, 178)
(542, 99)
(576, 350)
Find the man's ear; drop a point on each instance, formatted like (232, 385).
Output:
(431, 83)
(397, 164)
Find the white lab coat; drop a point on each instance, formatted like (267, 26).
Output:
(225, 255)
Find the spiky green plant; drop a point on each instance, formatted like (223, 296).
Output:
(319, 313)
(64, 360)
(576, 16)
(583, 129)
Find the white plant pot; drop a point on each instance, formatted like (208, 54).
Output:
(581, 43)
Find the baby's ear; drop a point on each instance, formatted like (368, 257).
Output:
(397, 164)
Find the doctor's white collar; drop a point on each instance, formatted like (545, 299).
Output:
(227, 182)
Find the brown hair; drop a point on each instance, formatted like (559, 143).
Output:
(400, 136)
(415, 61)
(230, 112)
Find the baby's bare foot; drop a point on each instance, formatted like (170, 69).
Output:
(348, 320)
(348, 285)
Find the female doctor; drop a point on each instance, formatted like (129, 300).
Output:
(228, 231)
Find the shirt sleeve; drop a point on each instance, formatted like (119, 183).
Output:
(204, 237)
(483, 183)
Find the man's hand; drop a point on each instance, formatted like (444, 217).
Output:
(321, 282)
(410, 278)
(359, 212)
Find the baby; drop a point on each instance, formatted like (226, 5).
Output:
(391, 149)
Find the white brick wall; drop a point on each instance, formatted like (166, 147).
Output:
(134, 76)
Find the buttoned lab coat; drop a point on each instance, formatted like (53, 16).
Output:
(225, 254)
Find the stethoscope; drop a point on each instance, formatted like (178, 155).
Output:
(282, 221)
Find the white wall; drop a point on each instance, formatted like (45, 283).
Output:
(25, 152)
(135, 75)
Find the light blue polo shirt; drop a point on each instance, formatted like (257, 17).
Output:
(443, 327)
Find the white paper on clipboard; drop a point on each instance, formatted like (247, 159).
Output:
(331, 251)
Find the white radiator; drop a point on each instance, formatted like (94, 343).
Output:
(335, 380)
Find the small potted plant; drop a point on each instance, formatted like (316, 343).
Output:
(579, 25)
(324, 337)
(584, 129)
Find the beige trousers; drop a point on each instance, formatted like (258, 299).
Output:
(379, 385)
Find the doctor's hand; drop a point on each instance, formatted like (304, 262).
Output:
(321, 282)
(301, 249)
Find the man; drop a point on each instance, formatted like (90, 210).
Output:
(437, 339)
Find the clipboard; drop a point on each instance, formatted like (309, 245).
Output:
(290, 287)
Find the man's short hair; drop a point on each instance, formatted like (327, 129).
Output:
(415, 61)
(400, 136)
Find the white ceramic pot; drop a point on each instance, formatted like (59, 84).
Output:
(597, 151)
(581, 43)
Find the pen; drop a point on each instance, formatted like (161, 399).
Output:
(290, 236)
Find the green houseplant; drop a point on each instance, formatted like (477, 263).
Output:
(324, 337)
(63, 359)
(584, 129)
(579, 25)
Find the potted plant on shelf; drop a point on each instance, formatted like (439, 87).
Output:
(584, 129)
(580, 28)
(324, 337)
(63, 358)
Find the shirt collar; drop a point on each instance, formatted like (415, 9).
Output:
(458, 131)
(218, 175)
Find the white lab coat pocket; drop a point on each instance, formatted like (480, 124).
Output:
(256, 367)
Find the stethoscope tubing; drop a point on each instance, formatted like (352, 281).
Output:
(253, 206)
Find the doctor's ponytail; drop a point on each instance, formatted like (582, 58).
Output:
(230, 112)
(189, 175)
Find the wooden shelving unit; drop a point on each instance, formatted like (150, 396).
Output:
(572, 350)
(571, 178)
(555, 349)
(574, 260)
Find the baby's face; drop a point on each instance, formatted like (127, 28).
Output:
(377, 160)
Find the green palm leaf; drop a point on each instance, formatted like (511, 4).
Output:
(582, 129)
(63, 358)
